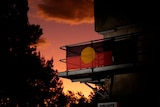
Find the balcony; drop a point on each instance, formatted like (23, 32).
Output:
(130, 53)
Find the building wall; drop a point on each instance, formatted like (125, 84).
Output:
(116, 19)
(110, 14)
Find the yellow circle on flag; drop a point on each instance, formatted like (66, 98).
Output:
(88, 55)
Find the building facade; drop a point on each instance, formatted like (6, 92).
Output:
(132, 78)
(134, 27)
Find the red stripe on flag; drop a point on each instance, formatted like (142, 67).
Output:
(101, 59)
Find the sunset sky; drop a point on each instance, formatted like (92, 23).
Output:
(64, 22)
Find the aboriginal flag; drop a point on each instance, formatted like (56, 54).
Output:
(89, 55)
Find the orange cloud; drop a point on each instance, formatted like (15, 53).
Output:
(67, 11)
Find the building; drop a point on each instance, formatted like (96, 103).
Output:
(132, 78)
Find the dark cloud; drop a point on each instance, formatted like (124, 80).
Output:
(42, 42)
(67, 11)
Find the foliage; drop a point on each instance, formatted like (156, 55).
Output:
(25, 77)
(79, 100)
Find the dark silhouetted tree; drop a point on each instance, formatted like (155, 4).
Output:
(25, 77)
(71, 98)
(77, 99)
(94, 98)
(13, 46)
(82, 100)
